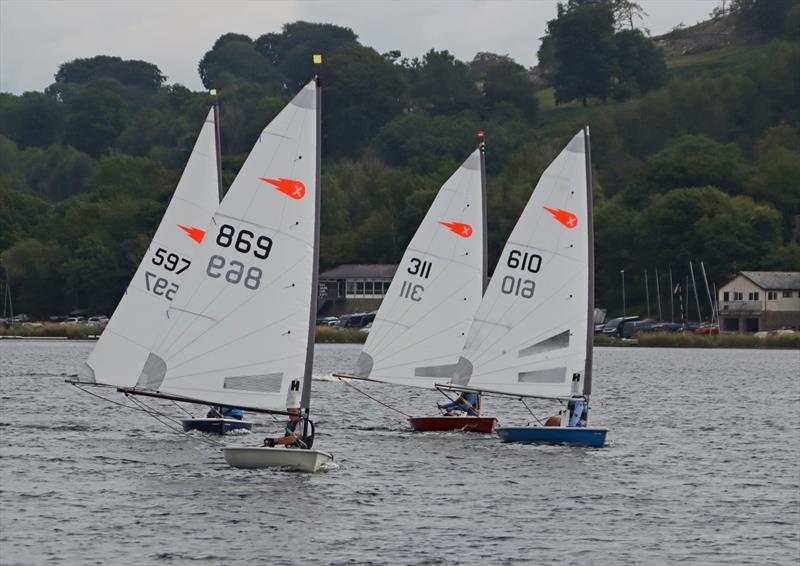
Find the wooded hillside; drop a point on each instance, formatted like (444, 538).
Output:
(696, 156)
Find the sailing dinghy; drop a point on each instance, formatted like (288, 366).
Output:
(125, 344)
(532, 334)
(241, 331)
(420, 327)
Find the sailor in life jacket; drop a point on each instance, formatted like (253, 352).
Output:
(466, 404)
(577, 412)
(219, 412)
(293, 432)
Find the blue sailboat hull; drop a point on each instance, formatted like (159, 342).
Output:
(216, 426)
(594, 437)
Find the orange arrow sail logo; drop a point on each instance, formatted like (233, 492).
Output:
(566, 218)
(290, 187)
(463, 230)
(195, 234)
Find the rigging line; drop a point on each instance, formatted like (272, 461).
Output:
(123, 405)
(531, 412)
(365, 394)
(151, 410)
(182, 408)
(155, 414)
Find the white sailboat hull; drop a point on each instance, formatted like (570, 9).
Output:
(279, 457)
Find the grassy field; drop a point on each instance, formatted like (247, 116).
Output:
(51, 330)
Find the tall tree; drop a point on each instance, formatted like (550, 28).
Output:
(583, 52)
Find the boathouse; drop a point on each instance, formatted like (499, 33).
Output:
(756, 301)
(352, 288)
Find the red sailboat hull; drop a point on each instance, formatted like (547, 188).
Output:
(442, 424)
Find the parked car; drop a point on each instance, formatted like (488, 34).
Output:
(327, 321)
(366, 329)
(358, 320)
(614, 327)
(99, 320)
(74, 320)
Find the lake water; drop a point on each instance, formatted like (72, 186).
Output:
(701, 467)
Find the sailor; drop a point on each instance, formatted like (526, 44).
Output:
(221, 412)
(466, 404)
(292, 434)
(577, 412)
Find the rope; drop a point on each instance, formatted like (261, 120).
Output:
(155, 414)
(531, 412)
(365, 394)
(182, 408)
(141, 407)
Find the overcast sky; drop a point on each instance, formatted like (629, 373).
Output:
(36, 36)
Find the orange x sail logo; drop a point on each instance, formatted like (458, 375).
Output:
(290, 187)
(463, 230)
(195, 234)
(566, 218)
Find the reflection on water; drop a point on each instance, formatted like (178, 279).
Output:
(701, 468)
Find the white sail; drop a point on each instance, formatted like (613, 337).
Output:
(127, 339)
(238, 332)
(529, 336)
(422, 322)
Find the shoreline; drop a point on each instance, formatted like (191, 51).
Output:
(329, 335)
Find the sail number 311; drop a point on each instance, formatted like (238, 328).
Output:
(244, 242)
(517, 286)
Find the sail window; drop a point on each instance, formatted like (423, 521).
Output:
(554, 375)
(266, 383)
(556, 342)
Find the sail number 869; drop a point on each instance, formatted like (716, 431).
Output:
(236, 272)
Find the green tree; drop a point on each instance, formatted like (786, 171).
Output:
(583, 52)
(440, 84)
(363, 92)
(640, 65)
(95, 119)
(138, 74)
(291, 50)
(234, 58)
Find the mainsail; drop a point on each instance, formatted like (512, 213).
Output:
(127, 339)
(239, 332)
(422, 322)
(530, 332)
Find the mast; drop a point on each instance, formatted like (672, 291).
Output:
(217, 144)
(484, 234)
(587, 372)
(305, 401)
(658, 296)
(671, 298)
(647, 293)
(708, 291)
(696, 296)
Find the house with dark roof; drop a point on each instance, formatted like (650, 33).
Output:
(760, 300)
(352, 288)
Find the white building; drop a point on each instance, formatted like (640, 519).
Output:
(760, 300)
